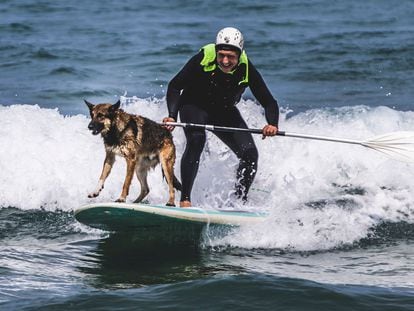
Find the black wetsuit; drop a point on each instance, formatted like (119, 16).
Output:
(210, 98)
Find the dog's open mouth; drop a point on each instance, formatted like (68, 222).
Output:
(95, 128)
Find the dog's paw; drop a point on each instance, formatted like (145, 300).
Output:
(170, 204)
(93, 195)
(120, 200)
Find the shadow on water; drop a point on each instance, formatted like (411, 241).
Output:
(125, 260)
(148, 250)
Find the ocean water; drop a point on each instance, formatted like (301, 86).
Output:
(340, 231)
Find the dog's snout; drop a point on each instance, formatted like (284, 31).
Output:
(95, 127)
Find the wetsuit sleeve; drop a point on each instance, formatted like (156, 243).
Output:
(180, 82)
(263, 95)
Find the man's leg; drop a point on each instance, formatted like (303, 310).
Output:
(242, 144)
(190, 160)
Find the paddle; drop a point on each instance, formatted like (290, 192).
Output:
(396, 145)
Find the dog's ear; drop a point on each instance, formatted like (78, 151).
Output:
(115, 106)
(90, 106)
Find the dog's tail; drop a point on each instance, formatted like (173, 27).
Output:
(176, 183)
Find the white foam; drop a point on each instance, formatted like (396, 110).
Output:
(52, 161)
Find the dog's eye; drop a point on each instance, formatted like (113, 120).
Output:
(100, 115)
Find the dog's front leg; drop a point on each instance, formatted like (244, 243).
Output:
(108, 163)
(131, 163)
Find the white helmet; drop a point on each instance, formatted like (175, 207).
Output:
(230, 38)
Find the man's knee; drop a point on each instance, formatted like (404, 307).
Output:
(195, 144)
(196, 138)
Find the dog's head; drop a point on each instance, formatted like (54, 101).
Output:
(102, 116)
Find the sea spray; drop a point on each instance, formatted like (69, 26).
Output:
(319, 195)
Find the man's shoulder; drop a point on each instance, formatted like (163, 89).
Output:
(196, 58)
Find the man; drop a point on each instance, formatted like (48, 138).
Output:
(206, 91)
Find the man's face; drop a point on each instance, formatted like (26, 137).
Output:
(227, 60)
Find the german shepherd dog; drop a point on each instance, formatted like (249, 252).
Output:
(142, 142)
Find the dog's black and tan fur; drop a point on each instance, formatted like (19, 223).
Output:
(142, 142)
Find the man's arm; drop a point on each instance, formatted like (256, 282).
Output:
(266, 99)
(180, 82)
(263, 96)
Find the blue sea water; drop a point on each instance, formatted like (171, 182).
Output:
(341, 221)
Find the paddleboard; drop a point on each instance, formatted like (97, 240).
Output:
(158, 222)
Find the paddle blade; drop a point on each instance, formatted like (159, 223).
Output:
(397, 145)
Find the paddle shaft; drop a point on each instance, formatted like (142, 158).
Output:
(259, 131)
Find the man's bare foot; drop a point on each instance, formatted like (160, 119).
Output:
(185, 204)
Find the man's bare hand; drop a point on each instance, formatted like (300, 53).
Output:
(269, 130)
(168, 127)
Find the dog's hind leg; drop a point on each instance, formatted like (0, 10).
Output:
(108, 163)
(142, 171)
(167, 159)
(131, 163)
